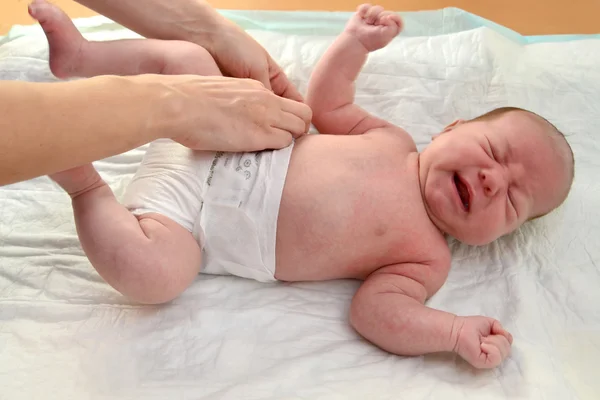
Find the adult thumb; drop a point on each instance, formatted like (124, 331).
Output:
(261, 75)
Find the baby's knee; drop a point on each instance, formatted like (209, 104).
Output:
(158, 281)
(190, 58)
(161, 267)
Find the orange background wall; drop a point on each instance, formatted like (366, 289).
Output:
(524, 16)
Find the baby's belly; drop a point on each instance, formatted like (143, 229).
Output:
(333, 223)
(307, 250)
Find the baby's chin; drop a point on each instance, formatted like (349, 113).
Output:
(474, 238)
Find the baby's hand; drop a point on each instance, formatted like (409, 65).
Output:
(373, 27)
(482, 341)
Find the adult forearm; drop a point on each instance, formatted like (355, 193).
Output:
(50, 127)
(192, 20)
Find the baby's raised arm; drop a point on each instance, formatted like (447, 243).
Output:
(389, 311)
(331, 87)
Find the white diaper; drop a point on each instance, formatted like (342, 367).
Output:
(228, 201)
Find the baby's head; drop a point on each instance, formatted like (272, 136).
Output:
(483, 178)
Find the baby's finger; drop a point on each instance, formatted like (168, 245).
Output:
(373, 14)
(497, 329)
(385, 21)
(390, 18)
(362, 10)
(493, 356)
(397, 20)
(500, 342)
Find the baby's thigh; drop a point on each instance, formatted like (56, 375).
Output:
(162, 266)
(181, 58)
(170, 182)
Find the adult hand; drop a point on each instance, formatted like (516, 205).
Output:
(226, 114)
(239, 55)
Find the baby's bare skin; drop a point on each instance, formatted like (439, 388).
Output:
(363, 213)
(359, 201)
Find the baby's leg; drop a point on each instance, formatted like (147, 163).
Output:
(71, 55)
(149, 259)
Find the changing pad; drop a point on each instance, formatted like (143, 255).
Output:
(65, 334)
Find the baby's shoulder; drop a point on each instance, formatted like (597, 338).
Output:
(431, 271)
(393, 135)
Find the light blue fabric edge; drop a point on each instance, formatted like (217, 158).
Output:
(417, 23)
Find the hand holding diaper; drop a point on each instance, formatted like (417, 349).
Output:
(227, 114)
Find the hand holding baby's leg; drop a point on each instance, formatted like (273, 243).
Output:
(150, 260)
(374, 27)
(71, 55)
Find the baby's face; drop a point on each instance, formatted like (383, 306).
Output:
(482, 179)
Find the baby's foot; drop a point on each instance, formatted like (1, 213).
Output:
(65, 41)
(79, 180)
(374, 27)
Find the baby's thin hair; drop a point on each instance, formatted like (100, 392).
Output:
(495, 113)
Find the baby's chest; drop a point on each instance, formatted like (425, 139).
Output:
(397, 222)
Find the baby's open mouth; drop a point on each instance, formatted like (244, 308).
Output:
(463, 192)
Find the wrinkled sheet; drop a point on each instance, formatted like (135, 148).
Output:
(64, 334)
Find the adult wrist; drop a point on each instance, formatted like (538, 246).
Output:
(207, 27)
(167, 108)
(149, 100)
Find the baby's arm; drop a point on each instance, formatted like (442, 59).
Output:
(389, 311)
(331, 88)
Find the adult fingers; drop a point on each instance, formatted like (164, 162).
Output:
(291, 123)
(279, 139)
(300, 110)
(262, 75)
(280, 84)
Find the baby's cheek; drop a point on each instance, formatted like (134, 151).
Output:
(487, 227)
(495, 223)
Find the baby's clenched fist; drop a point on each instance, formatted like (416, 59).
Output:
(482, 341)
(374, 27)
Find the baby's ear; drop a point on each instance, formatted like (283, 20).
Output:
(453, 125)
(449, 128)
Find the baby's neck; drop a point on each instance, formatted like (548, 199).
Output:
(421, 177)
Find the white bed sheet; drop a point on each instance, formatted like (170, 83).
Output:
(64, 334)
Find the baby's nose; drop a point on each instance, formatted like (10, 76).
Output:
(491, 181)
